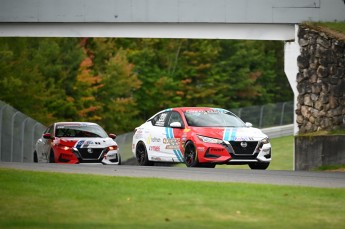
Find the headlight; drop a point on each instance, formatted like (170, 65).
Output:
(265, 140)
(63, 147)
(112, 148)
(209, 140)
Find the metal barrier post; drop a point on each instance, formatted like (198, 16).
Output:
(12, 130)
(23, 136)
(282, 114)
(1, 111)
(261, 114)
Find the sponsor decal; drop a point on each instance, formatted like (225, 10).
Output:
(186, 130)
(85, 144)
(155, 148)
(216, 150)
(156, 158)
(154, 139)
(139, 132)
(79, 144)
(239, 139)
(173, 144)
(231, 134)
(161, 119)
(148, 140)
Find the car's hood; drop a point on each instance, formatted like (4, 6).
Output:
(231, 133)
(87, 142)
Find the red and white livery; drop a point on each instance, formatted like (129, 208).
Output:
(200, 136)
(76, 142)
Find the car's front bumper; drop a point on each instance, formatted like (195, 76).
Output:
(112, 158)
(230, 153)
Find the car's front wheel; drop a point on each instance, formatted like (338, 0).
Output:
(190, 155)
(35, 157)
(51, 157)
(141, 155)
(259, 165)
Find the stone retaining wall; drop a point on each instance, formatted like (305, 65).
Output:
(320, 82)
(317, 151)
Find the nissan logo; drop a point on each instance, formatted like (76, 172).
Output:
(89, 150)
(244, 144)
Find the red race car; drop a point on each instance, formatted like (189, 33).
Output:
(200, 136)
(75, 142)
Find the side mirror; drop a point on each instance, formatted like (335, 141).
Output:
(175, 125)
(248, 124)
(113, 136)
(47, 136)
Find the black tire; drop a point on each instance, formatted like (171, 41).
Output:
(35, 157)
(51, 157)
(259, 165)
(190, 155)
(141, 155)
(119, 159)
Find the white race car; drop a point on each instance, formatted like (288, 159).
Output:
(77, 142)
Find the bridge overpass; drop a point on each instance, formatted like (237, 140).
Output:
(207, 19)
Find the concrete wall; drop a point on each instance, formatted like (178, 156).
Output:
(316, 151)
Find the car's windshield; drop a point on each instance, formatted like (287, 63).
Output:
(212, 118)
(80, 131)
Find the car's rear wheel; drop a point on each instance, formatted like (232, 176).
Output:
(35, 157)
(141, 155)
(51, 157)
(190, 155)
(259, 165)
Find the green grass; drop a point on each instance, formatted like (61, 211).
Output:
(331, 168)
(334, 29)
(337, 26)
(59, 200)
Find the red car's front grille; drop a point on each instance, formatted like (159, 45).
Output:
(90, 153)
(241, 150)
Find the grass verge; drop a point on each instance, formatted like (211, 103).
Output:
(334, 29)
(58, 200)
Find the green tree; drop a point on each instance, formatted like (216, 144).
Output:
(117, 85)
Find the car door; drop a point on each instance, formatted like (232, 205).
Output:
(155, 138)
(46, 144)
(173, 136)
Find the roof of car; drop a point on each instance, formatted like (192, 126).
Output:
(75, 123)
(195, 108)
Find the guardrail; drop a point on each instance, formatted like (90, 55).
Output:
(18, 135)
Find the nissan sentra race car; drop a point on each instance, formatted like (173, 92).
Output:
(76, 142)
(200, 137)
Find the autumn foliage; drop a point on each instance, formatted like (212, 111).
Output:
(119, 83)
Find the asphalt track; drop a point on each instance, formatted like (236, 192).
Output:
(292, 178)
